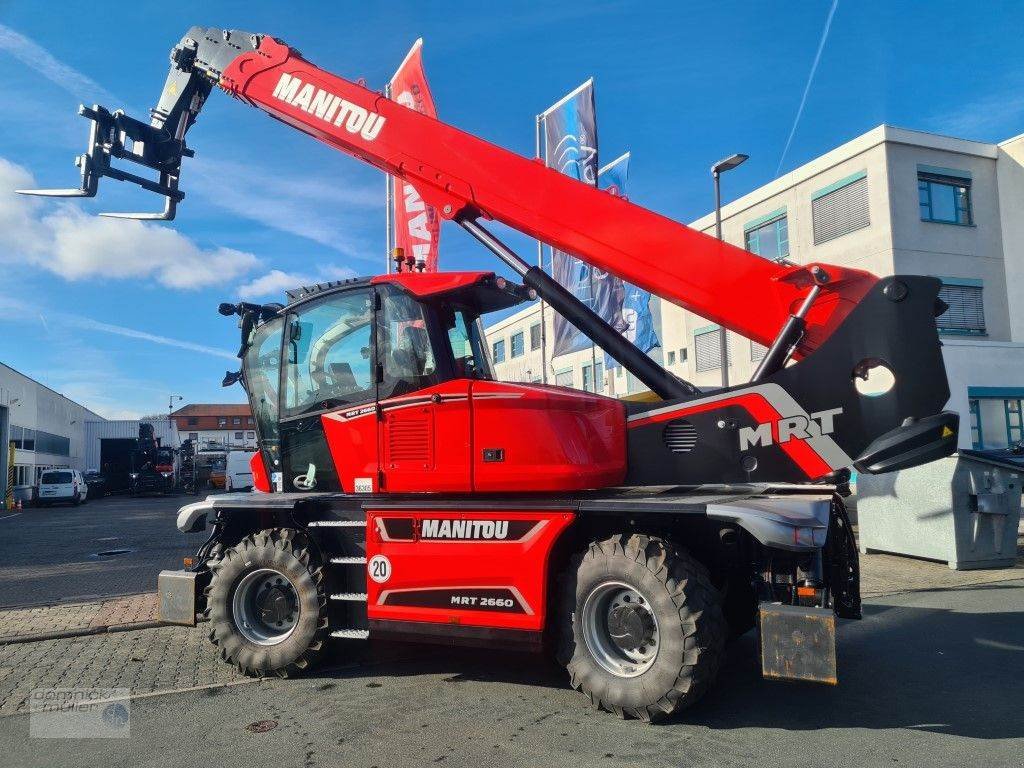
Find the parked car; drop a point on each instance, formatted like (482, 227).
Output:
(238, 473)
(62, 485)
(97, 483)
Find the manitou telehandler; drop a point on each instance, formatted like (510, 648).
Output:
(403, 492)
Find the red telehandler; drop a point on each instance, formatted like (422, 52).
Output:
(403, 492)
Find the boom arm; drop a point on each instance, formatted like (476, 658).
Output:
(467, 178)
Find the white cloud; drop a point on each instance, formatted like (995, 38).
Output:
(273, 283)
(75, 245)
(18, 311)
(324, 211)
(37, 58)
(276, 282)
(131, 333)
(991, 117)
(810, 80)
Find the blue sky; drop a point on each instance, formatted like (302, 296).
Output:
(121, 316)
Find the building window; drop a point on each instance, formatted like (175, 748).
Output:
(768, 236)
(977, 436)
(250, 435)
(518, 344)
(193, 436)
(498, 351)
(945, 199)
(222, 421)
(966, 313)
(757, 352)
(708, 346)
(193, 421)
(671, 357)
(535, 336)
(840, 208)
(1014, 421)
(236, 421)
(563, 378)
(238, 435)
(595, 383)
(41, 442)
(682, 355)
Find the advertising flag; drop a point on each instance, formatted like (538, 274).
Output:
(570, 140)
(624, 306)
(417, 226)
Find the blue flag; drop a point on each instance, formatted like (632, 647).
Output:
(626, 307)
(570, 133)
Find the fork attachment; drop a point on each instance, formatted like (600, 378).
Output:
(196, 65)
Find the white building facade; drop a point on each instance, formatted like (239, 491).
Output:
(46, 428)
(890, 201)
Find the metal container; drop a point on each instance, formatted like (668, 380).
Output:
(964, 510)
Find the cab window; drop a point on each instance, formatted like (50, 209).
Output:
(328, 352)
(404, 346)
(262, 379)
(466, 337)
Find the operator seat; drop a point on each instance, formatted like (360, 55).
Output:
(343, 378)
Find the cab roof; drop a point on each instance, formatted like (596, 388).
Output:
(478, 289)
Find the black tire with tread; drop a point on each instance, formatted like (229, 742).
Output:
(288, 551)
(692, 627)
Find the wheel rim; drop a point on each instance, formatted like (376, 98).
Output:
(265, 607)
(620, 629)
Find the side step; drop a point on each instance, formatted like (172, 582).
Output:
(355, 597)
(336, 524)
(348, 560)
(351, 634)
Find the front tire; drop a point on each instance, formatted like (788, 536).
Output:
(267, 606)
(641, 628)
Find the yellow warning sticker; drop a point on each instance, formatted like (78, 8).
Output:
(947, 432)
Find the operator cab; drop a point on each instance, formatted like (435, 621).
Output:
(385, 385)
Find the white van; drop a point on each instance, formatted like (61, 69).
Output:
(238, 472)
(62, 485)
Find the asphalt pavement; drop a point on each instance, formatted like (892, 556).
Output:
(52, 554)
(926, 679)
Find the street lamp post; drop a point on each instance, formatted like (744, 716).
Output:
(717, 170)
(170, 405)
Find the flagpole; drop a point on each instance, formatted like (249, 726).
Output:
(593, 344)
(540, 265)
(389, 207)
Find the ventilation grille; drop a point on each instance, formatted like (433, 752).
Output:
(409, 440)
(680, 436)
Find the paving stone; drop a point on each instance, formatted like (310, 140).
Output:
(144, 661)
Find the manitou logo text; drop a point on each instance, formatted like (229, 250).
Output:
(328, 107)
(473, 530)
(784, 430)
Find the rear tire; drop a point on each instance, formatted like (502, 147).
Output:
(282, 635)
(641, 629)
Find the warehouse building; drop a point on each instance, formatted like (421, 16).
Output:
(46, 428)
(890, 201)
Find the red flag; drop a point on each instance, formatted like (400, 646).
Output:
(417, 226)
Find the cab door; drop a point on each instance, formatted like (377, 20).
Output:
(328, 421)
(423, 411)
